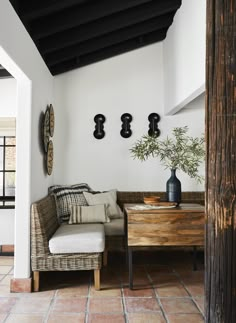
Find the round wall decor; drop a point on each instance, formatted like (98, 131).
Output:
(51, 120)
(47, 126)
(46, 129)
(49, 157)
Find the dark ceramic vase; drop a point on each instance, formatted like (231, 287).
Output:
(173, 188)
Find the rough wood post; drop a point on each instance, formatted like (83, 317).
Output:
(220, 282)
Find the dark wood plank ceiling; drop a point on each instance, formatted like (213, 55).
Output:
(4, 73)
(74, 33)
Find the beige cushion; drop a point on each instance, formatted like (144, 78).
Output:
(78, 238)
(88, 214)
(109, 198)
(115, 227)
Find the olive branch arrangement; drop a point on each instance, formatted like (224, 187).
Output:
(178, 152)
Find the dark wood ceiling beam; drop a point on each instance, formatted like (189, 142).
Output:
(33, 10)
(107, 25)
(109, 39)
(109, 52)
(80, 15)
(15, 4)
(4, 74)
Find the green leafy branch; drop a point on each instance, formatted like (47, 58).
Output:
(178, 152)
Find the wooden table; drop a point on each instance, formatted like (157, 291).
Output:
(179, 226)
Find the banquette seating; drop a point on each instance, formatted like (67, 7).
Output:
(60, 242)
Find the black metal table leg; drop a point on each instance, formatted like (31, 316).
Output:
(130, 268)
(194, 258)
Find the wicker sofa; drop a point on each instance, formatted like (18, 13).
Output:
(44, 224)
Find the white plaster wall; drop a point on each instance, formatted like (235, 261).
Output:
(7, 219)
(8, 97)
(7, 109)
(130, 83)
(184, 56)
(20, 57)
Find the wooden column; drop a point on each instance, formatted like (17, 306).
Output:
(221, 162)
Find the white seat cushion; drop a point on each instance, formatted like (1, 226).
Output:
(78, 238)
(115, 227)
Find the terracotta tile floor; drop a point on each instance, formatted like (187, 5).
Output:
(167, 290)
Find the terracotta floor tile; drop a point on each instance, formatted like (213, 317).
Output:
(141, 281)
(70, 305)
(138, 274)
(200, 303)
(5, 269)
(109, 305)
(106, 318)
(139, 268)
(124, 277)
(182, 268)
(141, 304)
(146, 318)
(45, 294)
(30, 305)
(68, 318)
(6, 280)
(6, 261)
(6, 304)
(195, 288)
(5, 291)
(180, 318)
(74, 291)
(157, 269)
(142, 292)
(193, 276)
(172, 290)
(110, 277)
(105, 292)
(25, 318)
(160, 279)
(2, 317)
(178, 305)
(67, 296)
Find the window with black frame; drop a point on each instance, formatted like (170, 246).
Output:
(7, 171)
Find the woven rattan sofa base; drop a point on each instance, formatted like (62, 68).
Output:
(44, 223)
(64, 262)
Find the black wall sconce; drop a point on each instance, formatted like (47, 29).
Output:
(99, 132)
(126, 119)
(154, 118)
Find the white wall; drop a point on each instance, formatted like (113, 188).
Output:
(20, 57)
(130, 83)
(7, 109)
(7, 226)
(184, 56)
(8, 97)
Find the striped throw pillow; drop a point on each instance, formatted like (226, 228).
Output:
(88, 214)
